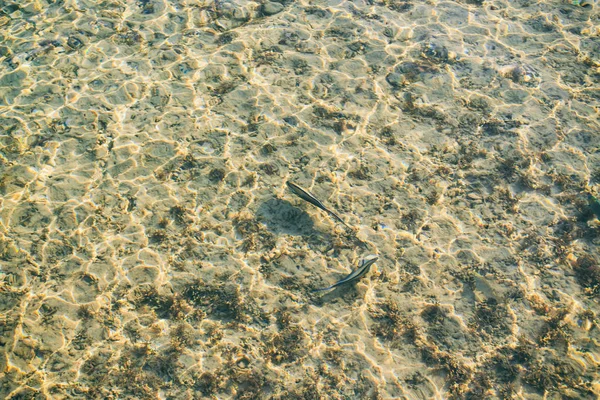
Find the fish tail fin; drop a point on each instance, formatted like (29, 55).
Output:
(322, 289)
(334, 215)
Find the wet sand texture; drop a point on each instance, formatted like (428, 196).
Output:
(149, 247)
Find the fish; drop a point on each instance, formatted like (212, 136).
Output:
(594, 204)
(306, 196)
(363, 268)
(582, 3)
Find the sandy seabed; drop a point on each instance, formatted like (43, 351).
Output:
(150, 249)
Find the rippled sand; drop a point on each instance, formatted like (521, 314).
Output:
(150, 248)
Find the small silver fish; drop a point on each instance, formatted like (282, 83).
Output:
(363, 268)
(306, 196)
(583, 3)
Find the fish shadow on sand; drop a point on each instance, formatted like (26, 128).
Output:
(347, 293)
(281, 216)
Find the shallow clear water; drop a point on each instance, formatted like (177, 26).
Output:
(150, 248)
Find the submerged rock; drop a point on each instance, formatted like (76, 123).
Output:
(272, 8)
(74, 42)
(395, 79)
(436, 53)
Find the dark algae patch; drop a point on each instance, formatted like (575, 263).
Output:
(223, 302)
(288, 345)
(491, 317)
(391, 323)
(587, 272)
